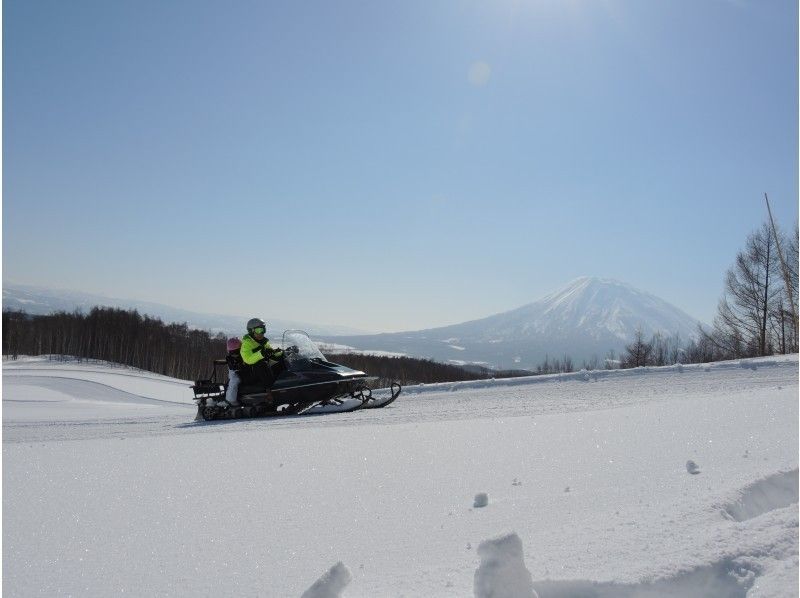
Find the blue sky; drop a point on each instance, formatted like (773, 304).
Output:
(392, 166)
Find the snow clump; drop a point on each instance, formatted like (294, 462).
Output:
(481, 500)
(502, 572)
(331, 584)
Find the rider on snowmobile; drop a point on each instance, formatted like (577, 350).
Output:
(256, 353)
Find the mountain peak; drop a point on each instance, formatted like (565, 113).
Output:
(586, 318)
(604, 305)
(583, 283)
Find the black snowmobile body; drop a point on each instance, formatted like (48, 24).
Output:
(309, 384)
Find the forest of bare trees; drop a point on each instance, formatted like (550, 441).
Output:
(116, 335)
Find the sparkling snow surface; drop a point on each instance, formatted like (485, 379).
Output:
(110, 488)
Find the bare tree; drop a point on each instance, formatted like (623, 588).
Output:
(638, 352)
(752, 291)
(659, 349)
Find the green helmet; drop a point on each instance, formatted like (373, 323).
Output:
(255, 323)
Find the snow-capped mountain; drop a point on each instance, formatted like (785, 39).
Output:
(40, 301)
(593, 307)
(587, 318)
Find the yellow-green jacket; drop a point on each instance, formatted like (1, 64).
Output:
(252, 351)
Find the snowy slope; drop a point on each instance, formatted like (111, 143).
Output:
(119, 492)
(585, 319)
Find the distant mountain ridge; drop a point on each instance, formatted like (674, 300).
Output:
(40, 301)
(585, 319)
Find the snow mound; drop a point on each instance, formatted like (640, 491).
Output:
(774, 492)
(331, 584)
(502, 572)
(481, 500)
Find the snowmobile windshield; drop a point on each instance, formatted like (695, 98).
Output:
(298, 347)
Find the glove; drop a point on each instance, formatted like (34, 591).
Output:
(270, 353)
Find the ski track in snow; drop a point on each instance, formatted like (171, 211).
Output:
(86, 389)
(111, 487)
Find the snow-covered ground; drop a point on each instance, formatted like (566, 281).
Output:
(111, 488)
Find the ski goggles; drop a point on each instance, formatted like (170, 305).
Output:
(259, 330)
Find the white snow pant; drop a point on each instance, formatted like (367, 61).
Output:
(233, 386)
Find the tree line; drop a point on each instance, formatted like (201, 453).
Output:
(116, 335)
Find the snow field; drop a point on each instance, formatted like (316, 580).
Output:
(590, 475)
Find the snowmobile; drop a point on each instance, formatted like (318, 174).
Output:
(310, 384)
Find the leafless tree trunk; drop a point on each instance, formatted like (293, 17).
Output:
(788, 268)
